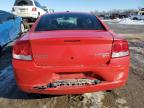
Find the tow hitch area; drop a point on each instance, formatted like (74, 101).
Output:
(69, 82)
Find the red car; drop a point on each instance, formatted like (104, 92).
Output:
(70, 53)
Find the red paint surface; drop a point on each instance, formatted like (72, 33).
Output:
(70, 54)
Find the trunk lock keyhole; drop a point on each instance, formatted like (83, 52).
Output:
(72, 58)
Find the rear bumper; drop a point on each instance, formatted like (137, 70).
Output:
(27, 15)
(28, 75)
(74, 90)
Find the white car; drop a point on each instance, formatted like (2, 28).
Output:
(28, 9)
(139, 16)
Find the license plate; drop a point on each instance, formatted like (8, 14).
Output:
(23, 10)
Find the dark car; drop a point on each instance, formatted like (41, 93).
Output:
(10, 27)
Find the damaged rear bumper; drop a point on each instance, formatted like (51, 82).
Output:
(58, 80)
(74, 90)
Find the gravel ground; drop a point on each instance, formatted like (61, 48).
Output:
(130, 96)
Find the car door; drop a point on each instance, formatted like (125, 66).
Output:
(13, 26)
(17, 25)
(5, 26)
(15, 22)
(9, 27)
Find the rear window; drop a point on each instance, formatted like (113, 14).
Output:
(23, 3)
(69, 21)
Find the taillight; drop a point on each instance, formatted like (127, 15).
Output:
(22, 50)
(13, 9)
(120, 48)
(34, 9)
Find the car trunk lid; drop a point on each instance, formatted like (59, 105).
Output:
(71, 48)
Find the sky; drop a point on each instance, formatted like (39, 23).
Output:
(81, 5)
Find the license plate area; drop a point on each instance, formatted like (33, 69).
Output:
(72, 79)
(69, 83)
(73, 82)
(23, 10)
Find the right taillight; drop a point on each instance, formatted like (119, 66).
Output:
(22, 50)
(120, 48)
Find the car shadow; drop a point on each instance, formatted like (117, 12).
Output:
(8, 87)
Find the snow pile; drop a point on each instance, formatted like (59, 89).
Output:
(131, 22)
(112, 20)
(117, 20)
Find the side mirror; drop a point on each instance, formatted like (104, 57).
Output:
(45, 8)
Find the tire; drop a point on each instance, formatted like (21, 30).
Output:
(109, 91)
(135, 18)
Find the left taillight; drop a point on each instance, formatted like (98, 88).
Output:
(22, 50)
(34, 9)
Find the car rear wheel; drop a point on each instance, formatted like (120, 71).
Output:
(135, 18)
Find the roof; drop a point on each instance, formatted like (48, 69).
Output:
(68, 12)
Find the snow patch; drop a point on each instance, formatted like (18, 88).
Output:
(131, 22)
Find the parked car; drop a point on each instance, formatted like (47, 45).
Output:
(28, 9)
(70, 53)
(10, 27)
(139, 16)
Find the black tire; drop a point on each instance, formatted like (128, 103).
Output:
(109, 91)
(135, 18)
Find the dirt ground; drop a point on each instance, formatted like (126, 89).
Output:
(130, 96)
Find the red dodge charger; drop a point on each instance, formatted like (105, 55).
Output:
(70, 53)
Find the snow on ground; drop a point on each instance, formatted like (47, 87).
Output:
(131, 22)
(112, 20)
(126, 21)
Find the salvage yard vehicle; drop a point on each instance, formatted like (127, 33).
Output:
(28, 9)
(139, 16)
(70, 53)
(10, 27)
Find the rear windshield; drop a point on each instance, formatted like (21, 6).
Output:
(69, 21)
(23, 3)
